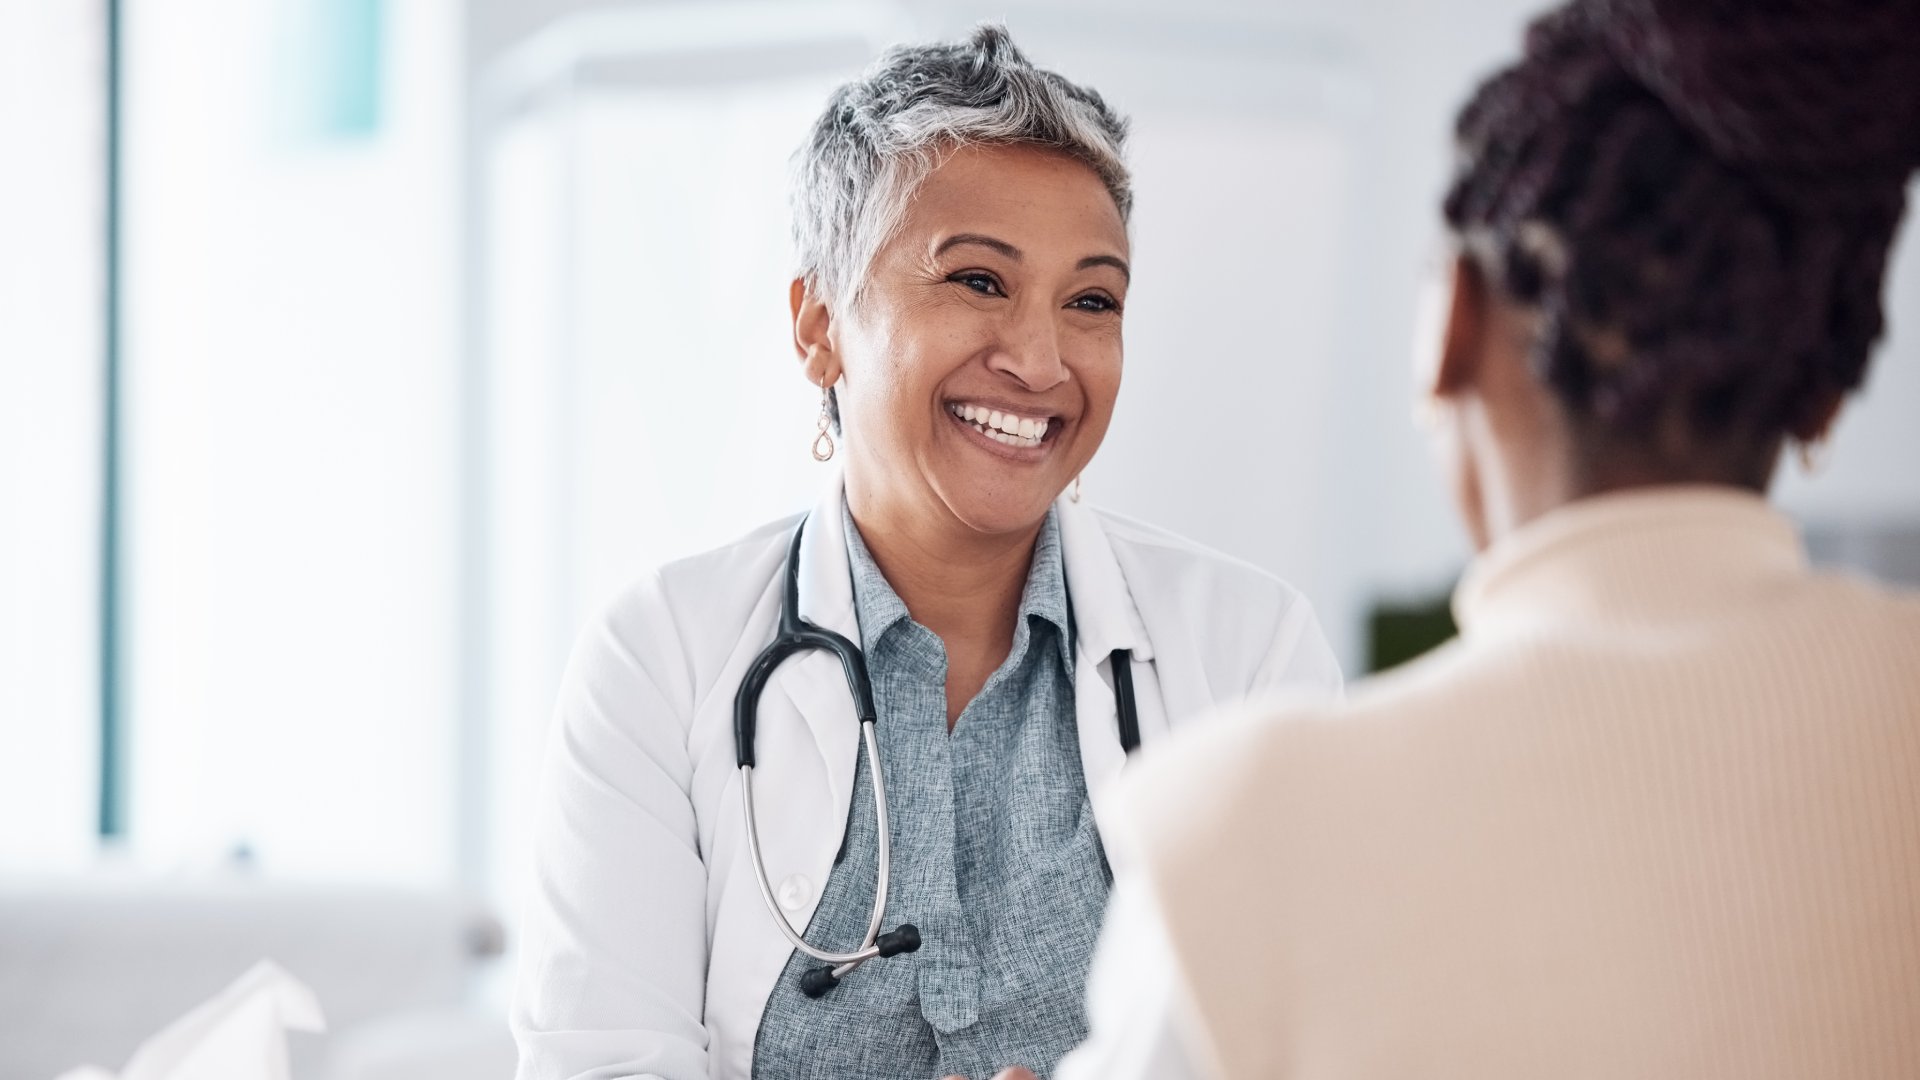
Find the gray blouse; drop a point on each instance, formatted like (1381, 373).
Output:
(995, 859)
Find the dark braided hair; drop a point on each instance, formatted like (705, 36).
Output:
(1698, 197)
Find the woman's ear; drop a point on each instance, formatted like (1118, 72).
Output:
(813, 333)
(1463, 332)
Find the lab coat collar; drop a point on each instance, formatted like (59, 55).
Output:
(815, 682)
(826, 573)
(1104, 614)
(1105, 618)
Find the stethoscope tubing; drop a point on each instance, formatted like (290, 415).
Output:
(843, 962)
(797, 636)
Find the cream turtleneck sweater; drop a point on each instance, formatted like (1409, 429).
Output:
(1655, 814)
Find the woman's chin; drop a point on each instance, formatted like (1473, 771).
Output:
(996, 490)
(995, 509)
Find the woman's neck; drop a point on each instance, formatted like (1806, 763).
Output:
(962, 584)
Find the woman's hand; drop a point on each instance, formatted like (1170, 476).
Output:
(1018, 1072)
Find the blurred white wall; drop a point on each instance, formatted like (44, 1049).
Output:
(52, 125)
(292, 409)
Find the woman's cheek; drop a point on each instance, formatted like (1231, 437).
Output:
(1103, 388)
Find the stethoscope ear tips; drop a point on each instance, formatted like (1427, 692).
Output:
(817, 981)
(904, 939)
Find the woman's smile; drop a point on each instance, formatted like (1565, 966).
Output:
(1016, 436)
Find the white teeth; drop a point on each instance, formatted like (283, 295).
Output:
(1004, 428)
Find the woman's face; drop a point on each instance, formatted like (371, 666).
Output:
(979, 367)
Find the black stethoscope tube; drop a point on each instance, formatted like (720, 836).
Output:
(796, 636)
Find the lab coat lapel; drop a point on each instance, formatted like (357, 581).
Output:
(1105, 618)
(815, 683)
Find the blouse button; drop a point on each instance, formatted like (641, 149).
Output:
(795, 892)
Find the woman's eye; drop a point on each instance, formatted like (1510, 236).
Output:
(1094, 302)
(984, 284)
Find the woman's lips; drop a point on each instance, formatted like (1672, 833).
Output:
(1030, 448)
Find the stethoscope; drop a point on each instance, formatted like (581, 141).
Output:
(796, 636)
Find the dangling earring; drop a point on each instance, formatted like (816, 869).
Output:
(823, 442)
(1074, 491)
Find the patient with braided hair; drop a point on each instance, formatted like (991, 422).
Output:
(1656, 812)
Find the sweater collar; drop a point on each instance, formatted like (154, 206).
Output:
(1639, 557)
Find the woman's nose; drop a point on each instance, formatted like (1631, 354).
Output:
(1031, 353)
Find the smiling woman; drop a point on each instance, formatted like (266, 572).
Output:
(961, 219)
(998, 295)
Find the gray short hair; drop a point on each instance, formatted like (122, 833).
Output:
(881, 134)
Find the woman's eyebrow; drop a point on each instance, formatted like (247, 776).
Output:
(1000, 246)
(1114, 261)
(1014, 253)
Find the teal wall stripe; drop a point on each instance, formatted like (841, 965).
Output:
(353, 81)
(331, 75)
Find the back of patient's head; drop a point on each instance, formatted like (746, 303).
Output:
(1696, 200)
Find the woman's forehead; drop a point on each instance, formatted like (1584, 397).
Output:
(1027, 197)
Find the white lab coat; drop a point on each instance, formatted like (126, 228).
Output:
(646, 948)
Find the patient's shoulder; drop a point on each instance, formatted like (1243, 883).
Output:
(1300, 755)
